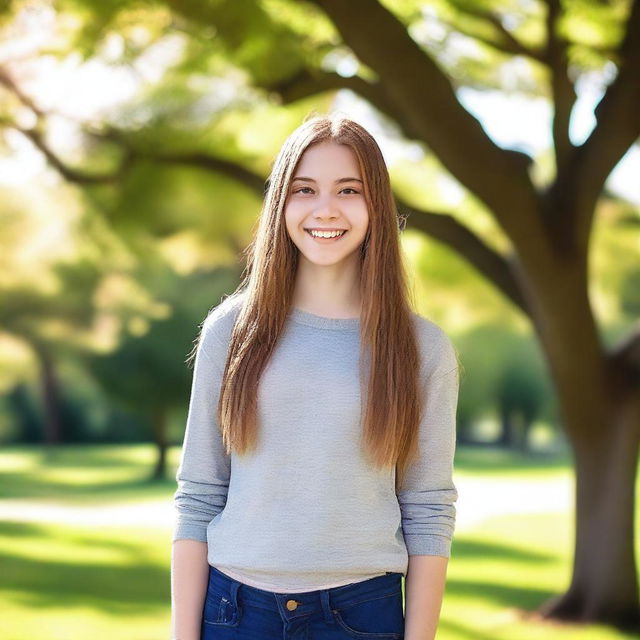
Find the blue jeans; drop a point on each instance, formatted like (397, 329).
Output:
(365, 609)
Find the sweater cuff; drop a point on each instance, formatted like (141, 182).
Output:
(433, 545)
(189, 531)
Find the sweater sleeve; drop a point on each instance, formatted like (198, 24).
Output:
(428, 494)
(204, 470)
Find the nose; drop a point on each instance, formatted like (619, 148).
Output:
(325, 210)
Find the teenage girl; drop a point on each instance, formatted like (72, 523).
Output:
(316, 469)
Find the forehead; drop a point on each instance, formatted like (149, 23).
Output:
(328, 160)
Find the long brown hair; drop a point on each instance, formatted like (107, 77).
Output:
(389, 356)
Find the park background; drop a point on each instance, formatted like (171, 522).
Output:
(135, 141)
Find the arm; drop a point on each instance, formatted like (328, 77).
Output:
(427, 500)
(189, 578)
(424, 589)
(203, 481)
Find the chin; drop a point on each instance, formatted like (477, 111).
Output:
(328, 260)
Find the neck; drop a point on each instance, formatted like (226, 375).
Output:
(328, 290)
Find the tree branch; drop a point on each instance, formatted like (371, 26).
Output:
(509, 43)
(617, 127)
(309, 82)
(69, 173)
(562, 89)
(9, 83)
(424, 96)
(502, 45)
(446, 229)
(442, 227)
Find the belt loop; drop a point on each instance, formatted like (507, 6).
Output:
(326, 606)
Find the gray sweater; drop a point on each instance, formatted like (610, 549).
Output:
(306, 511)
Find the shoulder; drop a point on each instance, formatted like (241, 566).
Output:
(437, 352)
(220, 320)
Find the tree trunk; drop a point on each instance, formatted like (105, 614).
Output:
(159, 425)
(601, 410)
(604, 584)
(50, 398)
(505, 439)
(521, 430)
(527, 427)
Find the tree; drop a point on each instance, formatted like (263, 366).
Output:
(545, 272)
(547, 221)
(22, 312)
(547, 266)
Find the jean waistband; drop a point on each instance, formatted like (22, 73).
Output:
(307, 602)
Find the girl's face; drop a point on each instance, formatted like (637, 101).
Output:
(326, 194)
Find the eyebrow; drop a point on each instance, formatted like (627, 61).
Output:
(338, 181)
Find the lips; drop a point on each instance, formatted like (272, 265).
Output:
(323, 240)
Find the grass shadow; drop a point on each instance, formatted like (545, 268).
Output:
(128, 577)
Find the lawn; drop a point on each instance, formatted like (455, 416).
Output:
(85, 546)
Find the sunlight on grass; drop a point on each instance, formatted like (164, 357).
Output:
(93, 577)
(81, 477)
(89, 622)
(83, 582)
(15, 461)
(79, 474)
(65, 548)
(504, 567)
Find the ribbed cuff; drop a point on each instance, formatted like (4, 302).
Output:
(431, 545)
(189, 531)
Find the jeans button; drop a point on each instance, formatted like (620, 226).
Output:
(291, 605)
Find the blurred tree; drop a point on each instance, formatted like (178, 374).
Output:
(43, 320)
(22, 409)
(146, 374)
(408, 58)
(147, 377)
(519, 400)
(507, 376)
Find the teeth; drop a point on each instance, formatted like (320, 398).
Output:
(325, 234)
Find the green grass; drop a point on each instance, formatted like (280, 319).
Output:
(64, 581)
(68, 583)
(504, 568)
(83, 474)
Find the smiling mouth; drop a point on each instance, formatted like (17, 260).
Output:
(337, 237)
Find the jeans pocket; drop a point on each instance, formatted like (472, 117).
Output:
(220, 610)
(376, 617)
